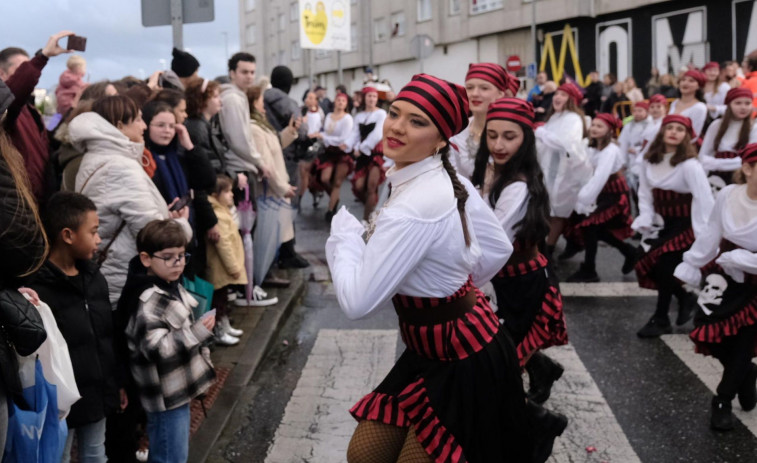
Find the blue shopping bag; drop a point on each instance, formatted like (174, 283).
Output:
(35, 434)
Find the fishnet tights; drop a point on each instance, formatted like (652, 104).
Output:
(375, 442)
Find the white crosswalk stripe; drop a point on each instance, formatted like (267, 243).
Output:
(609, 289)
(346, 364)
(708, 370)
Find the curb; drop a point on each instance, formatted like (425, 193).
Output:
(265, 332)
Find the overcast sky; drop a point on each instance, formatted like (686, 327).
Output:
(117, 44)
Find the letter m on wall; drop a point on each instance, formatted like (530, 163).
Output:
(679, 38)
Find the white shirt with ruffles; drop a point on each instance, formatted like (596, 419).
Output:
(605, 163)
(696, 112)
(337, 132)
(727, 143)
(374, 138)
(417, 247)
(734, 218)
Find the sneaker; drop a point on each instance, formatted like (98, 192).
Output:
(584, 275)
(654, 329)
(748, 390)
(721, 416)
(226, 339)
(259, 299)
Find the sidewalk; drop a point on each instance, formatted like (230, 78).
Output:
(235, 365)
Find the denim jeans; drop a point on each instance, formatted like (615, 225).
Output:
(91, 443)
(169, 435)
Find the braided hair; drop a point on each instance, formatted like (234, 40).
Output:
(461, 193)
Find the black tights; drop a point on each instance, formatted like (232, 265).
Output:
(735, 353)
(667, 285)
(592, 235)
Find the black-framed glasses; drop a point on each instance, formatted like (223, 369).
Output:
(174, 261)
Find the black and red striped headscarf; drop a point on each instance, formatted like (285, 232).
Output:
(511, 109)
(490, 72)
(748, 153)
(445, 103)
(683, 120)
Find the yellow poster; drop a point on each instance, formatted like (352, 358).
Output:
(325, 24)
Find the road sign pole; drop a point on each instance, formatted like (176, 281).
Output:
(177, 23)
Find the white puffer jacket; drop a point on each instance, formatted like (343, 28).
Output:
(111, 175)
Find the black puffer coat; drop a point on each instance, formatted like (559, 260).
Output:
(85, 318)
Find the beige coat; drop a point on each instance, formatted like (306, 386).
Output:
(227, 255)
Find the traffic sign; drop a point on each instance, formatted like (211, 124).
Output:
(513, 63)
(531, 71)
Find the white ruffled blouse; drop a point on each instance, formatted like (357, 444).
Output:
(605, 163)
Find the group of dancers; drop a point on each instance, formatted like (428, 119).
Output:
(485, 199)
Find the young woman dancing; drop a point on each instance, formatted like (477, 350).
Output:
(674, 204)
(723, 264)
(455, 394)
(528, 295)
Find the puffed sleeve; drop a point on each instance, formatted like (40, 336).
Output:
(587, 196)
(705, 248)
(737, 262)
(566, 138)
(698, 116)
(708, 149)
(702, 203)
(496, 248)
(367, 275)
(374, 138)
(646, 202)
(510, 207)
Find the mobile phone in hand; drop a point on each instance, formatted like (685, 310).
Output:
(207, 314)
(76, 42)
(181, 203)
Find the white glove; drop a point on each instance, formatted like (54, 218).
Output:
(344, 223)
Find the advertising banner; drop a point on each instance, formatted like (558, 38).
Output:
(325, 24)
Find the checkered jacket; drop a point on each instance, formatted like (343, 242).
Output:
(167, 360)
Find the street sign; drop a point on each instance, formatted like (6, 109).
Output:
(158, 12)
(513, 63)
(422, 46)
(531, 71)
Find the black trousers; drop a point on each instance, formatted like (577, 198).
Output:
(735, 353)
(667, 285)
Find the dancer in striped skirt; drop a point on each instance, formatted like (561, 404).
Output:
(455, 394)
(722, 264)
(674, 204)
(603, 209)
(528, 295)
(725, 137)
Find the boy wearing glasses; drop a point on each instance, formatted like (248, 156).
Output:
(168, 362)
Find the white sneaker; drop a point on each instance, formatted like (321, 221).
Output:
(227, 328)
(226, 340)
(231, 296)
(142, 455)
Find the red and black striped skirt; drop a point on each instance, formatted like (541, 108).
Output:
(457, 383)
(613, 212)
(529, 300)
(331, 157)
(363, 165)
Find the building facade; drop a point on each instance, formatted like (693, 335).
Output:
(626, 37)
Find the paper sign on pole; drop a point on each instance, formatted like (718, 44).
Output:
(325, 24)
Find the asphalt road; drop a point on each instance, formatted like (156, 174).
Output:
(627, 399)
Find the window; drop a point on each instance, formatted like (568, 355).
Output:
(296, 50)
(380, 30)
(282, 22)
(249, 5)
(454, 7)
(398, 24)
(250, 34)
(424, 10)
(294, 11)
(353, 37)
(484, 6)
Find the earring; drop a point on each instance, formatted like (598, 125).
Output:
(436, 153)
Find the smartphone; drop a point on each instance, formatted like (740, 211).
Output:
(208, 314)
(180, 203)
(76, 42)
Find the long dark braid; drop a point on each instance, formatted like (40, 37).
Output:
(460, 192)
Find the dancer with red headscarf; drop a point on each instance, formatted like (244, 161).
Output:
(692, 103)
(674, 205)
(365, 143)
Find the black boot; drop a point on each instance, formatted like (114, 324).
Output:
(547, 426)
(542, 373)
(721, 417)
(585, 274)
(571, 249)
(288, 257)
(748, 390)
(332, 212)
(631, 255)
(654, 328)
(685, 308)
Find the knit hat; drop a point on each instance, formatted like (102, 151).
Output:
(183, 63)
(511, 109)
(282, 78)
(490, 72)
(445, 103)
(658, 98)
(748, 153)
(738, 92)
(696, 75)
(610, 120)
(572, 91)
(642, 104)
(368, 90)
(683, 120)
(711, 65)
(6, 97)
